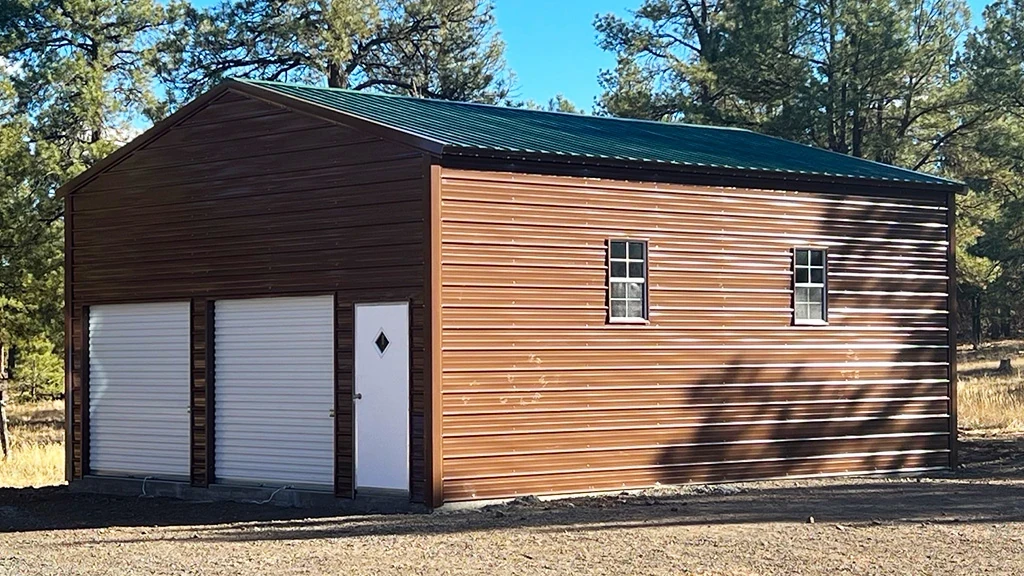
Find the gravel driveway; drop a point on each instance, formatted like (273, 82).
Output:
(970, 523)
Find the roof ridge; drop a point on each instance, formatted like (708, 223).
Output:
(485, 105)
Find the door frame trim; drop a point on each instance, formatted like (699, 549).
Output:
(86, 435)
(409, 305)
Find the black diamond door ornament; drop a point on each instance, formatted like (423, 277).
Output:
(381, 342)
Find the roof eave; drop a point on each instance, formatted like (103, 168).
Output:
(682, 169)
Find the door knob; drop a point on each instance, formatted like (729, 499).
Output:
(357, 396)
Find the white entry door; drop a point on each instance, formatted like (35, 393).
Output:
(273, 395)
(382, 396)
(139, 390)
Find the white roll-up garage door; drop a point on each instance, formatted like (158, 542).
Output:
(274, 391)
(139, 390)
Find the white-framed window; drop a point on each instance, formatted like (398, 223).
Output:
(627, 280)
(810, 286)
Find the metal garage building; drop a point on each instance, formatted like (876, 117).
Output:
(283, 285)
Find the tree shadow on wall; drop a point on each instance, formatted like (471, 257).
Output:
(792, 419)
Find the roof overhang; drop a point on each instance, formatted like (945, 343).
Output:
(683, 173)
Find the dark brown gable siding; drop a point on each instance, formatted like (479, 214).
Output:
(201, 395)
(540, 395)
(246, 199)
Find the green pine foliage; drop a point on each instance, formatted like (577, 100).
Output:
(897, 81)
(79, 78)
(74, 85)
(38, 372)
(447, 49)
(877, 79)
(900, 82)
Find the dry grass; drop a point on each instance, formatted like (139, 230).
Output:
(37, 445)
(990, 401)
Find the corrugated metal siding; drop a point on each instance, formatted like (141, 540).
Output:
(540, 395)
(199, 390)
(274, 377)
(245, 199)
(139, 389)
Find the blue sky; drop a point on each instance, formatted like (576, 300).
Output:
(551, 45)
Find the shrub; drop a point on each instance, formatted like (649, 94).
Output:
(38, 372)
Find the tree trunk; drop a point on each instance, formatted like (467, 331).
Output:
(976, 322)
(858, 132)
(4, 448)
(842, 145)
(831, 111)
(336, 77)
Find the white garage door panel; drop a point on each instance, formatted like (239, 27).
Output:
(274, 391)
(139, 390)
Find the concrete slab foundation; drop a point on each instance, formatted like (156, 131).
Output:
(364, 503)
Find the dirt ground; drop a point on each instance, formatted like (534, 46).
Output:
(971, 522)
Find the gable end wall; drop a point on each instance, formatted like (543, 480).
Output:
(247, 199)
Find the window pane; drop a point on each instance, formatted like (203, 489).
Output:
(801, 275)
(801, 295)
(815, 295)
(818, 275)
(636, 309)
(814, 312)
(817, 258)
(618, 249)
(801, 257)
(636, 250)
(800, 311)
(627, 261)
(618, 308)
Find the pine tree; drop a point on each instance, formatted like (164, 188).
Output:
(445, 49)
(878, 79)
(74, 84)
(990, 225)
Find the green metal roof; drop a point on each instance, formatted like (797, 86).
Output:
(466, 128)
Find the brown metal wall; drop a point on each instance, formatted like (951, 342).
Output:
(247, 199)
(540, 395)
(201, 395)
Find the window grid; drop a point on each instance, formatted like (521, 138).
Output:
(809, 285)
(627, 289)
